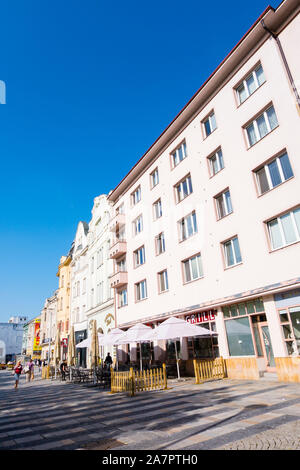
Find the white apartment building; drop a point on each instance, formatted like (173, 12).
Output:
(78, 289)
(100, 295)
(207, 223)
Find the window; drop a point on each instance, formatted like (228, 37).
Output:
(121, 265)
(209, 124)
(141, 290)
(274, 173)
(179, 154)
(139, 256)
(157, 209)
(84, 285)
(192, 268)
(248, 86)
(216, 162)
(154, 179)
(160, 243)
(223, 204)
(285, 229)
(136, 196)
(261, 126)
(138, 225)
(232, 252)
(184, 188)
(187, 226)
(123, 300)
(163, 283)
(290, 323)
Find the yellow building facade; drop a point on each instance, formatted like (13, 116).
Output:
(63, 302)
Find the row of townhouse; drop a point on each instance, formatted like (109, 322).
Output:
(206, 225)
(84, 293)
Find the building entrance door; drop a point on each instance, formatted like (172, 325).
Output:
(267, 346)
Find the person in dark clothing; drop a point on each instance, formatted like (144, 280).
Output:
(63, 367)
(108, 361)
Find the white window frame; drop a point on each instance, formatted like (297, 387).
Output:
(188, 261)
(225, 203)
(175, 154)
(235, 262)
(139, 290)
(154, 178)
(138, 223)
(255, 126)
(182, 224)
(157, 209)
(123, 298)
(136, 196)
(139, 256)
(281, 230)
(244, 83)
(209, 119)
(179, 188)
(163, 281)
(160, 242)
(211, 166)
(268, 176)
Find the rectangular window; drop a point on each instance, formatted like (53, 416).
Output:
(163, 283)
(239, 337)
(285, 229)
(274, 173)
(184, 188)
(253, 81)
(139, 256)
(261, 126)
(188, 226)
(138, 225)
(223, 204)
(123, 300)
(209, 124)
(216, 162)
(157, 209)
(232, 252)
(160, 243)
(136, 196)
(179, 154)
(121, 265)
(154, 179)
(192, 268)
(141, 290)
(290, 323)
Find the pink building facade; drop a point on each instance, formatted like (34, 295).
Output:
(206, 225)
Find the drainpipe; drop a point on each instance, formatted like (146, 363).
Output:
(286, 65)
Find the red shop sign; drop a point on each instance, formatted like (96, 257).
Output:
(64, 342)
(201, 317)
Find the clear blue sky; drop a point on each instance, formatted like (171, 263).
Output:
(89, 83)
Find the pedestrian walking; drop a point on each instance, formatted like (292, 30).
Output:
(29, 371)
(108, 361)
(63, 367)
(17, 372)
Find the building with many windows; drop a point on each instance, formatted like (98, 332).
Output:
(207, 223)
(63, 301)
(100, 302)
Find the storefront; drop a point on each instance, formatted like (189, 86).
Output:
(81, 353)
(201, 347)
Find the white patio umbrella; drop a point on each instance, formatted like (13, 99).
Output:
(134, 335)
(86, 343)
(174, 328)
(110, 339)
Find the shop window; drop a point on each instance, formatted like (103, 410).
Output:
(243, 308)
(290, 323)
(204, 347)
(239, 337)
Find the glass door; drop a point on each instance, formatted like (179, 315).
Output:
(267, 346)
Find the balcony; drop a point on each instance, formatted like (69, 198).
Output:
(117, 222)
(118, 279)
(118, 248)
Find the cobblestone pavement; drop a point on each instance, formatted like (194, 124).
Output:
(219, 415)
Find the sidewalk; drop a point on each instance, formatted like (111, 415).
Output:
(224, 414)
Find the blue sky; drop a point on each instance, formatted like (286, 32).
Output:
(89, 83)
